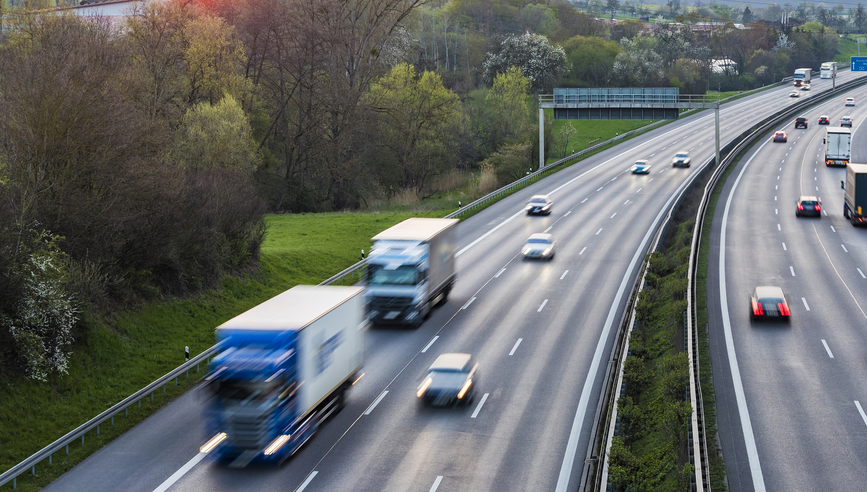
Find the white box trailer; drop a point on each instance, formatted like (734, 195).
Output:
(838, 146)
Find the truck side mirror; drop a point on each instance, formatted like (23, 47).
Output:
(823, 141)
(842, 185)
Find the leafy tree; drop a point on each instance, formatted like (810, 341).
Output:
(638, 65)
(215, 59)
(539, 61)
(512, 161)
(590, 61)
(567, 131)
(215, 137)
(507, 101)
(626, 29)
(747, 15)
(539, 18)
(859, 16)
(612, 6)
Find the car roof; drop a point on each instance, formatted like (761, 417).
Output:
(780, 131)
(453, 362)
(763, 291)
(539, 197)
(808, 198)
(683, 152)
(641, 161)
(541, 235)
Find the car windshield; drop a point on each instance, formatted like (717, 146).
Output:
(538, 241)
(639, 164)
(402, 275)
(682, 155)
(538, 201)
(808, 202)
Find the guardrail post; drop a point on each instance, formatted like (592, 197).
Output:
(49, 458)
(97, 429)
(152, 395)
(82, 439)
(67, 449)
(33, 470)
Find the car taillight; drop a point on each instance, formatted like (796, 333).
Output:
(784, 309)
(818, 207)
(800, 207)
(757, 309)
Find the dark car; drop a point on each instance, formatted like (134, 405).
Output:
(451, 379)
(809, 205)
(539, 204)
(824, 120)
(681, 159)
(800, 122)
(780, 136)
(769, 301)
(846, 121)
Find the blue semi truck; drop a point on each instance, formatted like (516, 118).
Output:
(284, 367)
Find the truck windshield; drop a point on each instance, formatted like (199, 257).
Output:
(245, 391)
(403, 275)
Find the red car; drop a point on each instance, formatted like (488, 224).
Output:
(781, 136)
(824, 120)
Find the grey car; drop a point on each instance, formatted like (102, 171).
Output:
(681, 159)
(539, 204)
(539, 246)
(451, 379)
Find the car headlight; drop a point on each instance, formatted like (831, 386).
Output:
(464, 389)
(547, 252)
(525, 250)
(424, 386)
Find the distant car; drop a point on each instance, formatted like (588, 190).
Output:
(805, 87)
(539, 204)
(824, 120)
(850, 101)
(451, 379)
(540, 246)
(681, 159)
(641, 167)
(769, 302)
(808, 205)
(846, 121)
(800, 121)
(794, 94)
(781, 136)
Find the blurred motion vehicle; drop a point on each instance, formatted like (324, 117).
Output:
(838, 146)
(539, 245)
(769, 302)
(794, 94)
(828, 70)
(681, 159)
(640, 167)
(284, 367)
(805, 87)
(801, 76)
(451, 379)
(824, 120)
(850, 101)
(781, 136)
(855, 195)
(539, 204)
(808, 205)
(410, 270)
(801, 122)
(846, 121)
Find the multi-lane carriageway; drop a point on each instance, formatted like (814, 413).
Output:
(541, 331)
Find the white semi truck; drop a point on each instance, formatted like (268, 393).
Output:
(411, 269)
(838, 143)
(801, 77)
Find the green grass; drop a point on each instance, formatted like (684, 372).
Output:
(590, 130)
(117, 357)
(848, 48)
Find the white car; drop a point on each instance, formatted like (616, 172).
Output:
(850, 101)
(794, 94)
(540, 246)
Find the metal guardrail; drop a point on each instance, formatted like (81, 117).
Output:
(94, 423)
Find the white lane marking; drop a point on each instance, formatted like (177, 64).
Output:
(614, 178)
(584, 200)
(585, 248)
(781, 168)
(784, 247)
(307, 482)
(627, 201)
(817, 188)
(825, 212)
(600, 188)
(512, 352)
(564, 274)
(479, 406)
(661, 171)
(861, 411)
(776, 211)
(743, 410)
(612, 215)
(543, 305)
(436, 483)
(639, 190)
(862, 273)
(597, 232)
(832, 229)
(815, 178)
(500, 273)
(649, 180)
(778, 227)
(778, 177)
(776, 187)
(844, 248)
(653, 154)
(827, 349)
(567, 213)
(180, 473)
(375, 402)
(792, 269)
(429, 344)
(468, 303)
(548, 229)
(775, 197)
(807, 306)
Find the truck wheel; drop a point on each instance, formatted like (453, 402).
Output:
(845, 212)
(444, 296)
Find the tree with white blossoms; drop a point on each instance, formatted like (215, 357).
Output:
(539, 61)
(638, 65)
(42, 326)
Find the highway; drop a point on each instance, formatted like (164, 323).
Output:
(542, 332)
(791, 414)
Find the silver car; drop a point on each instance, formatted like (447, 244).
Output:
(539, 246)
(539, 204)
(681, 159)
(451, 379)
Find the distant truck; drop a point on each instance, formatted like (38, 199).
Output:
(411, 269)
(802, 76)
(828, 70)
(855, 194)
(284, 367)
(838, 143)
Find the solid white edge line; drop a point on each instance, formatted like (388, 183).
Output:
(743, 410)
(432, 342)
(861, 411)
(180, 473)
(512, 352)
(827, 349)
(436, 483)
(375, 402)
(805, 303)
(307, 482)
(479, 406)
(543, 305)
(468, 303)
(483, 236)
(564, 274)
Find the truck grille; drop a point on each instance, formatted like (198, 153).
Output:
(386, 304)
(247, 431)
